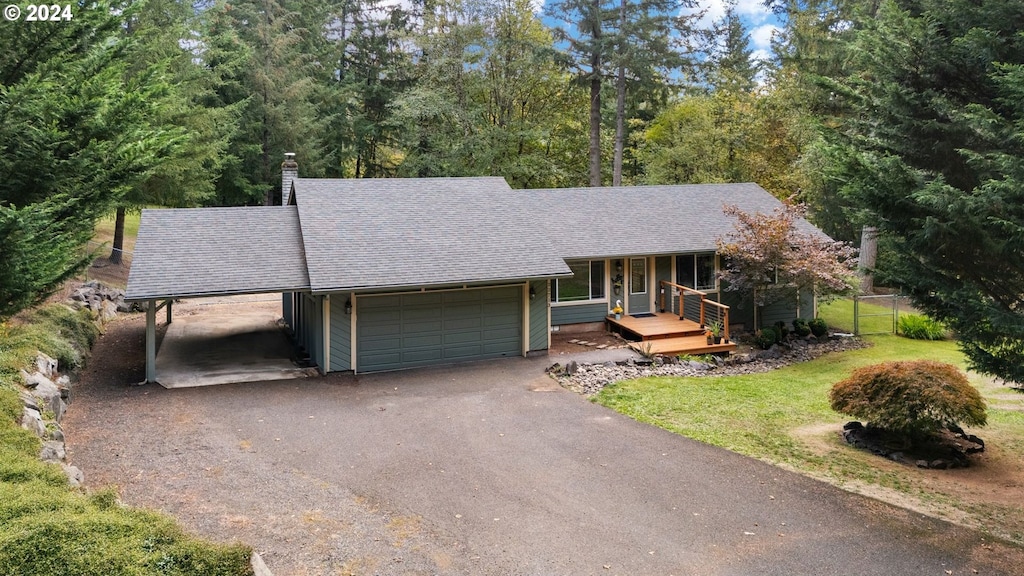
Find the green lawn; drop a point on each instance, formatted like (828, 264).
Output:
(783, 417)
(105, 229)
(839, 316)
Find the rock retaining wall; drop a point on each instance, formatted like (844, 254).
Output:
(45, 399)
(46, 392)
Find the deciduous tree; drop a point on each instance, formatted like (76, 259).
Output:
(770, 257)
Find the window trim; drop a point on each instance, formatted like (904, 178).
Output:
(590, 299)
(694, 271)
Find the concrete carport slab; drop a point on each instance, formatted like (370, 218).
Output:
(226, 341)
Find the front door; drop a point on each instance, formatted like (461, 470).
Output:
(639, 289)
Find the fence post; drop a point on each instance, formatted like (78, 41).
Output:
(895, 312)
(856, 316)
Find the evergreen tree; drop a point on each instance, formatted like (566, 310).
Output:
(733, 68)
(931, 147)
(164, 32)
(77, 129)
(367, 69)
(492, 98)
(275, 88)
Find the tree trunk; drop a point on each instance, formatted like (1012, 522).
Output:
(117, 250)
(868, 256)
(595, 98)
(620, 103)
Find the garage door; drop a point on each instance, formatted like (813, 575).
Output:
(407, 330)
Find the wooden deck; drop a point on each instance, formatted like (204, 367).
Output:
(665, 333)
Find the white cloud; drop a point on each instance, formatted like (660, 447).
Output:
(753, 12)
(761, 37)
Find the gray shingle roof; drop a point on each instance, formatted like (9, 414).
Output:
(362, 233)
(212, 251)
(393, 233)
(636, 220)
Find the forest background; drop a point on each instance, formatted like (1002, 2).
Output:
(903, 115)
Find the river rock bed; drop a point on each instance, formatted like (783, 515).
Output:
(589, 378)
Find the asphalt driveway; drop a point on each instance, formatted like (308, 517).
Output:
(486, 468)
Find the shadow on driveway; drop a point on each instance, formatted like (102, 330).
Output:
(486, 468)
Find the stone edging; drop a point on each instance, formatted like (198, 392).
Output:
(589, 378)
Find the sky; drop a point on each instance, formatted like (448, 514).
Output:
(760, 22)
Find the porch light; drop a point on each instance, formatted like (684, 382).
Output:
(348, 306)
(533, 293)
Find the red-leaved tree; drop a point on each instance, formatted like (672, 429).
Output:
(771, 257)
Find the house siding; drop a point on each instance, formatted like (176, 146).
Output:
(578, 313)
(539, 329)
(341, 333)
(286, 307)
(314, 331)
(782, 311)
(740, 312)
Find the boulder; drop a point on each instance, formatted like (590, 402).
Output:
(107, 311)
(75, 476)
(45, 365)
(32, 421)
(52, 451)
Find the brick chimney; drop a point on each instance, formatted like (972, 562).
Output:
(289, 172)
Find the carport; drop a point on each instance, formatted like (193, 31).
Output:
(204, 252)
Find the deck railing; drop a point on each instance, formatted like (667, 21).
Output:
(673, 299)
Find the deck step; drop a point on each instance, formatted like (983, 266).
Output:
(682, 345)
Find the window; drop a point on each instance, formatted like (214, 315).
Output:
(637, 275)
(587, 282)
(696, 271)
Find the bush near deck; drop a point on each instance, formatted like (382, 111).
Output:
(47, 527)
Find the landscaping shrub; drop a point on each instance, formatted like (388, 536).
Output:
(912, 398)
(766, 337)
(818, 327)
(921, 327)
(781, 330)
(800, 327)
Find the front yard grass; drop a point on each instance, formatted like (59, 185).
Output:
(783, 417)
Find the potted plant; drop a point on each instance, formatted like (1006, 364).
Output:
(710, 337)
(617, 310)
(716, 328)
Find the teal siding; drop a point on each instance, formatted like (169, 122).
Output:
(286, 307)
(316, 329)
(781, 311)
(539, 329)
(807, 307)
(419, 329)
(341, 334)
(578, 313)
(740, 311)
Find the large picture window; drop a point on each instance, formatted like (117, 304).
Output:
(696, 271)
(587, 282)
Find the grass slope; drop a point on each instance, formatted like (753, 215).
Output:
(766, 415)
(48, 528)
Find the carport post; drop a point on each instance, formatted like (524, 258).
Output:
(151, 341)
(169, 302)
